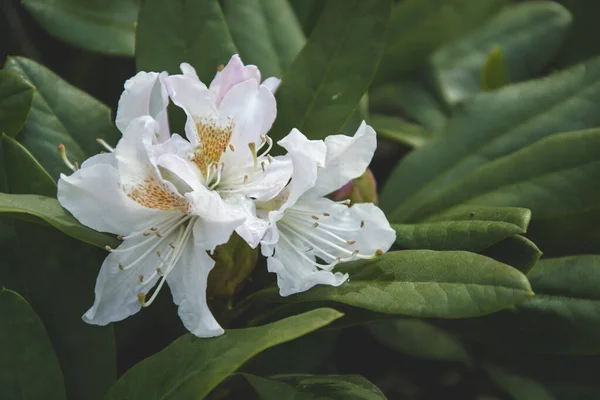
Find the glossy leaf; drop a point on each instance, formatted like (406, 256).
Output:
(266, 32)
(490, 127)
(105, 26)
(516, 251)
(192, 31)
(420, 26)
(494, 74)
(528, 34)
(197, 365)
(61, 114)
(16, 95)
(29, 369)
(420, 283)
(324, 84)
(396, 129)
(342, 387)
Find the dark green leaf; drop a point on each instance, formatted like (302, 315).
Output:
(494, 74)
(580, 43)
(51, 212)
(193, 31)
(421, 283)
(105, 26)
(196, 365)
(266, 32)
(325, 82)
(16, 95)
(528, 35)
(519, 387)
(317, 387)
(418, 338)
(516, 251)
(61, 114)
(396, 129)
(29, 369)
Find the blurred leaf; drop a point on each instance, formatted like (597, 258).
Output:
(51, 212)
(28, 366)
(105, 26)
(492, 126)
(420, 283)
(519, 387)
(324, 84)
(581, 42)
(266, 32)
(494, 73)
(562, 317)
(198, 365)
(308, 13)
(516, 251)
(420, 26)
(420, 339)
(396, 129)
(193, 31)
(61, 114)
(317, 387)
(16, 95)
(528, 34)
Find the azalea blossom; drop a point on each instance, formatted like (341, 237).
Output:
(309, 234)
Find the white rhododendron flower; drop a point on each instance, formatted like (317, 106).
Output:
(309, 234)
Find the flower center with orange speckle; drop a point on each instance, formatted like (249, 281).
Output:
(151, 193)
(213, 140)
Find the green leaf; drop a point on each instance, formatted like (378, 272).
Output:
(193, 31)
(420, 26)
(105, 26)
(28, 366)
(420, 339)
(324, 84)
(61, 114)
(528, 35)
(50, 211)
(494, 74)
(331, 387)
(396, 129)
(562, 318)
(420, 283)
(580, 43)
(16, 95)
(197, 365)
(519, 387)
(475, 232)
(516, 251)
(266, 32)
(490, 127)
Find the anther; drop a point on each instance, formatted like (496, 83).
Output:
(350, 241)
(146, 233)
(326, 214)
(63, 154)
(338, 259)
(154, 228)
(231, 147)
(172, 245)
(378, 252)
(141, 298)
(108, 248)
(220, 67)
(157, 233)
(121, 267)
(141, 278)
(354, 253)
(315, 217)
(262, 165)
(310, 248)
(120, 237)
(316, 224)
(159, 271)
(362, 224)
(245, 179)
(105, 145)
(158, 253)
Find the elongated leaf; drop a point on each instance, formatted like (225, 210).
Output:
(196, 366)
(29, 369)
(562, 318)
(395, 129)
(325, 82)
(421, 283)
(105, 26)
(528, 35)
(61, 114)
(580, 44)
(492, 126)
(50, 211)
(266, 32)
(516, 251)
(519, 387)
(420, 339)
(16, 95)
(351, 387)
(421, 26)
(177, 31)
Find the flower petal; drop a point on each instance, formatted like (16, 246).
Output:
(144, 94)
(233, 73)
(182, 173)
(253, 228)
(347, 158)
(272, 83)
(117, 289)
(188, 281)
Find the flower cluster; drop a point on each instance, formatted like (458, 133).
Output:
(172, 200)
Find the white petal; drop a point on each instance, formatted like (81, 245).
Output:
(232, 74)
(144, 94)
(272, 83)
(307, 156)
(175, 145)
(190, 72)
(188, 281)
(102, 158)
(253, 229)
(182, 173)
(117, 290)
(218, 219)
(93, 195)
(347, 158)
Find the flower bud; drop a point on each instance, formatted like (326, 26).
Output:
(360, 190)
(234, 261)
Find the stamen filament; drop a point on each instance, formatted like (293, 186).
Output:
(63, 154)
(105, 145)
(304, 256)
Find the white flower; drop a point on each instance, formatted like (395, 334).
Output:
(308, 233)
(166, 227)
(227, 125)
